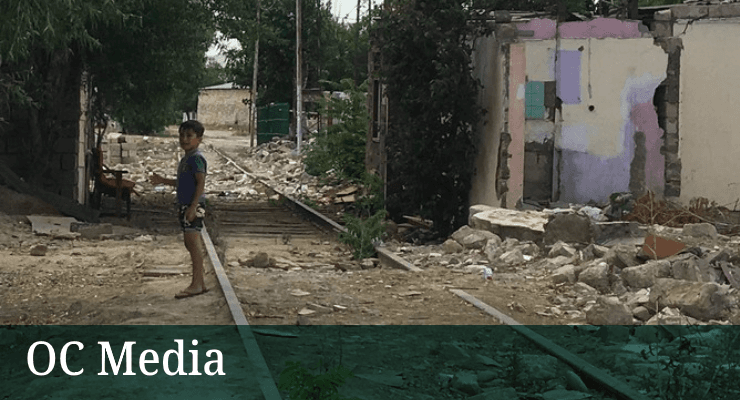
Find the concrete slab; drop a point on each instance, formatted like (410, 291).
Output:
(522, 225)
(52, 226)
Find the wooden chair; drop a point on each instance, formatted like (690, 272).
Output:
(116, 187)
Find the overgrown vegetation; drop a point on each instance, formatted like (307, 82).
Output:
(434, 115)
(339, 152)
(302, 384)
(363, 234)
(685, 374)
(340, 148)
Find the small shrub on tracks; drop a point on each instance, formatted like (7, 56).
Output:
(362, 234)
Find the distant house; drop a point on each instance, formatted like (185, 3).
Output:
(225, 106)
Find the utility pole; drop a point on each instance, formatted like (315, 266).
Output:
(298, 77)
(254, 79)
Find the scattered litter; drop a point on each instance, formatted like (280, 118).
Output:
(306, 311)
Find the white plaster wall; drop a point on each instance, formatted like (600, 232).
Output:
(488, 68)
(538, 130)
(544, 52)
(608, 66)
(708, 111)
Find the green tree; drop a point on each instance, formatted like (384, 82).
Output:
(433, 113)
(341, 146)
(141, 56)
(327, 45)
(152, 66)
(42, 48)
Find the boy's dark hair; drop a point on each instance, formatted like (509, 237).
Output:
(192, 125)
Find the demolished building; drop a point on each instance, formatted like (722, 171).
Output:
(579, 110)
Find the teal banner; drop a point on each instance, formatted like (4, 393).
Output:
(369, 362)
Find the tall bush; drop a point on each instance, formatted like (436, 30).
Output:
(426, 52)
(341, 147)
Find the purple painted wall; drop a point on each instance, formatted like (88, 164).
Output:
(586, 176)
(568, 76)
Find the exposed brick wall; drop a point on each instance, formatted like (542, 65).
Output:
(667, 99)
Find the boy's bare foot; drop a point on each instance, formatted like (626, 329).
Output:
(189, 292)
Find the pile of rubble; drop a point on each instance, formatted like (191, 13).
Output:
(616, 272)
(275, 163)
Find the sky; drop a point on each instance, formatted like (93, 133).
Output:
(347, 9)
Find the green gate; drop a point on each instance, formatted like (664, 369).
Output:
(272, 120)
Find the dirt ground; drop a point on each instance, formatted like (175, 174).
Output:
(107, 281)
(429, 334)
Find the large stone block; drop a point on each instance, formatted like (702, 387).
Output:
(692, 268)
(605, 232)
(596, 276)
(521, 225)
(702, 230)
(622, 256)
(703, 301)
(609, 311)
(569, 228)
(644, 276)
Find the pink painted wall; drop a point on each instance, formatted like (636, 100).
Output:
(598, 28)
(517, 80)
(543, 28)
(645, 119)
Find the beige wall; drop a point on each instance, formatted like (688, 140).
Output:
(710, 94)
(224, 107)
(488, 67)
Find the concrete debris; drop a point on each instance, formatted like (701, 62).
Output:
(597, 277)
(583, 251)
(609, 311)
(695, 299)
(564, 274)
(645, 275)
(522, 225)
(622, 256)
(38, 250)
(702, 230)
(613, 272)
(451, 246)
(466, 382)
(569, 228)
(641, 313)
(671, 316)
(91, 231)
(561, 249)
(261, 260)
(512, 257)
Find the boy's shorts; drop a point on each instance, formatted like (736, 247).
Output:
(195, 225)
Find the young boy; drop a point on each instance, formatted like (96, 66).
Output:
(190, 183)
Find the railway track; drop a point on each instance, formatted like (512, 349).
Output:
(249, 224)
